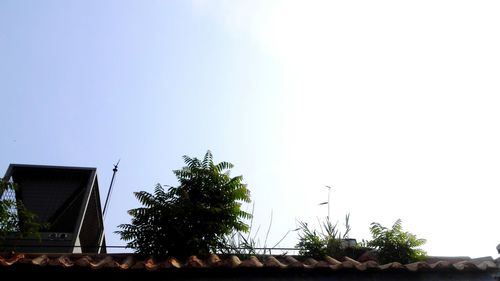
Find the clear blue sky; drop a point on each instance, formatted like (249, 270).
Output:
(394, 105)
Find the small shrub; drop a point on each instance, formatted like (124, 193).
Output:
(396, 245)
(327, 242)
(310, 242)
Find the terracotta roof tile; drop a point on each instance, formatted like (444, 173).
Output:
(107, 261)
(418, 266)
(150, 264)
(392, 266)
(214, 261)
(350, 263)
(65, 261)
(310, 262)
(293, 263)
(173, 263)
(127, 263)
(233, 261)
(41, 260)
(332, 261)
(271, 261)
(322, 264)
(371, 264)
(486, 265)
(253, 261)
(83, 261)
(132, 262)
(138, 265)
(194, 261)
(441, 265)
(7, 262)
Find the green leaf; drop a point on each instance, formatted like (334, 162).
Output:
(191, 218)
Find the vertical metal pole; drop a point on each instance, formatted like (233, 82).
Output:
(329, 189)
(115, 169)
(101, 240)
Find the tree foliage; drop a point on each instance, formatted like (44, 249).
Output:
(192, 218)
(15, 219)
(396, 245)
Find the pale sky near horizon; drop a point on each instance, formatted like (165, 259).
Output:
(395, 104)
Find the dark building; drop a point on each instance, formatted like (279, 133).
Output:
(67, 199)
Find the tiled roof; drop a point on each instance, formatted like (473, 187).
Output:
(133, 263)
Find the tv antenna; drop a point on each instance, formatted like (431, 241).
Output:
(115, 169)
(327, 202)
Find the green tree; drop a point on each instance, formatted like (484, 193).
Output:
(192, 218)
(15, 219)
(396, 245)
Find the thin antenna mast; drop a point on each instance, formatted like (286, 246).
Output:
(329, 189)
(327, 202)
(115, 169)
